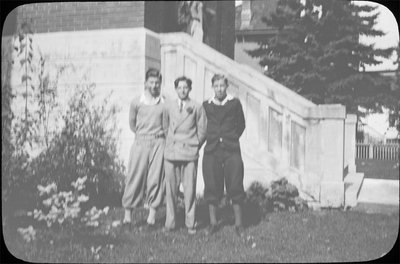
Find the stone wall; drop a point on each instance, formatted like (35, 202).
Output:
(113, 60)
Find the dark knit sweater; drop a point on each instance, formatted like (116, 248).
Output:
(225, 125)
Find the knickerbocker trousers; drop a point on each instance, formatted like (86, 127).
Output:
(145, 177)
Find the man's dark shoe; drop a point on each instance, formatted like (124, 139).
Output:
(239, 230)
(140, 223)
(126, 226)
(212, 229)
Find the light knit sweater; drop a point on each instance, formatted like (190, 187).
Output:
(146, 119)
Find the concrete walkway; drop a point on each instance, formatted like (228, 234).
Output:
(379, 196)
(379, 191)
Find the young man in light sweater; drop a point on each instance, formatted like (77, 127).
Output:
(186, 134)
(145, 175)
(222, 161)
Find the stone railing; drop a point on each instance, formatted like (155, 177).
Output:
(286, 133)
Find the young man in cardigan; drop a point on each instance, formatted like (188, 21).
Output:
(222, 161)
(145, 175)
(185, 136)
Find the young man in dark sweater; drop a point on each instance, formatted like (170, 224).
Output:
(222, 160)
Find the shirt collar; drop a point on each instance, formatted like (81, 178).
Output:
(152, 101)
(217, 102)
(183, 101)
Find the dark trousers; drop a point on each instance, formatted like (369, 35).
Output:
(222, 166)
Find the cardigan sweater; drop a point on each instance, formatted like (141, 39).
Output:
(225, 125)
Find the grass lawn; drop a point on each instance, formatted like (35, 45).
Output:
(378, 169)
(308, 236)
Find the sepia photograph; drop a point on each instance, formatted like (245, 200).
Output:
(247, 131)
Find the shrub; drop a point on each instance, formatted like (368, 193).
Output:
(257, 195)
(64, 208)
(85, 147)
(279, 196)
(22, 132)
(285, 196)
(66, 218)
(13, 162)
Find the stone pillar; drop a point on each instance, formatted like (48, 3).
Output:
(350, 143)
(331, 126)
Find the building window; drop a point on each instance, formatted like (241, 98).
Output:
(297, 149)
(275, 132)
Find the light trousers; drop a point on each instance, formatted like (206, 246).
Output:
(145, 178)
(175, 173)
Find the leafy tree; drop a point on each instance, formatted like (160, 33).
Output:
(317, 53)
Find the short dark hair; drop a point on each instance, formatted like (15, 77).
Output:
(217, 77)
(153, 73)
(183, 78)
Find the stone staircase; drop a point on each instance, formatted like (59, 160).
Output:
(286, 135)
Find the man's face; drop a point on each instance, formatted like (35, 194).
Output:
(153, 85)
(182, 90)
(220, 87)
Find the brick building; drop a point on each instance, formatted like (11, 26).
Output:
(158, 16)
(109, 45)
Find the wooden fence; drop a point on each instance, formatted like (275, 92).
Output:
(377, 151)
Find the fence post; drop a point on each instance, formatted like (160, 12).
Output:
(371, 151)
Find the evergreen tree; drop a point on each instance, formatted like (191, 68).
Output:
(394, 110)
(316, 52)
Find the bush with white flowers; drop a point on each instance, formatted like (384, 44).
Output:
(64, 208)
(28, 234)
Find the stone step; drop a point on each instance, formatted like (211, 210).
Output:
(352, 186)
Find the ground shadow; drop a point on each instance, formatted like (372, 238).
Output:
(252, 214)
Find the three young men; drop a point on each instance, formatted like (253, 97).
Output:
(186, 125)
